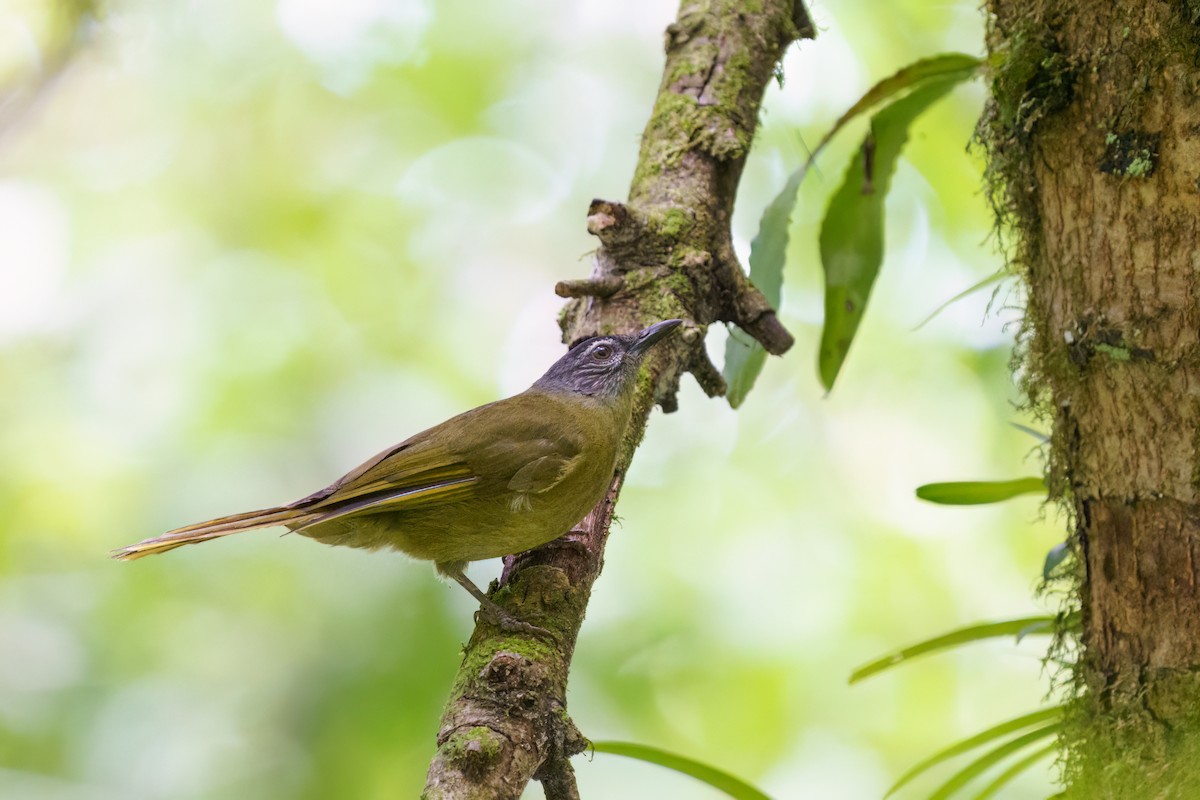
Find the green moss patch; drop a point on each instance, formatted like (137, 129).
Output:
(1133, 154)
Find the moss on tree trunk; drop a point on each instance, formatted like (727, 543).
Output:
(1093, 137)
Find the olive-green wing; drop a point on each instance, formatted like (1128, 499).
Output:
(482, 452)
(410, 465)
(403, 476)
(524, 445)
(543, 473)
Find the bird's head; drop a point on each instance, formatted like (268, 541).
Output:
(604, 366)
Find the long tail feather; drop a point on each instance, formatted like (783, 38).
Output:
(212, 529)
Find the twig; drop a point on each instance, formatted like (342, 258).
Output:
(606, 286)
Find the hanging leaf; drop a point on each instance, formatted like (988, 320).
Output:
(983, 737)
(974, 493)
(722, 781)
(744, 357)
(852, 231)
(973, 633)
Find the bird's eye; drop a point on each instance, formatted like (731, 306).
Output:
(602, 352)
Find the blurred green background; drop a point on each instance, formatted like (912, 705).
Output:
(246, 244)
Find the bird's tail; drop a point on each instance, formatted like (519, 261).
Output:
(213, 529)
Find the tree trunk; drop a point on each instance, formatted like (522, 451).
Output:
(1093, 139)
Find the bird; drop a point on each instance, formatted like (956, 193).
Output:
(493, 481)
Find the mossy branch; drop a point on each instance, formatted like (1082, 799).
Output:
(667, 252)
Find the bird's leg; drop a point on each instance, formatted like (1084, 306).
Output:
(505, 620)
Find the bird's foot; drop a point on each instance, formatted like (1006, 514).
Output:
(507, 622)
(487, 606)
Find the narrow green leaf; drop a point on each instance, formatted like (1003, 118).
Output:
(980, 765)
(722, 781)
(1019, 766)
(1044, 625)
(744, 357)
(851, 241)
(974, 493)
(1056, 556)
(768, 250)
(958, 65)
(983, 737)
(1035, 433)
(972, 633)
(995, 277)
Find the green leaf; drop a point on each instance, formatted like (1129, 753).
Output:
(959, 66)
(768, 250)
(995, 277)
(852, 231)
(1041, 437)
(1042, 625)
(722, 781)
(974, 493)
(979, 765)
(1013, 771)
(973, 633)
(744, 357)
(983, 737)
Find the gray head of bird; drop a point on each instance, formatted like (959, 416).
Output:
(604, 366)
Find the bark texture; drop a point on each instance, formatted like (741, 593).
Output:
(1093, 136)
(665, 253)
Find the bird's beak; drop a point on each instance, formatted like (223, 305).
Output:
(656, 332)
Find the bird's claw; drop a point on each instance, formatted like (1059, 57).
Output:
(510, 624)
